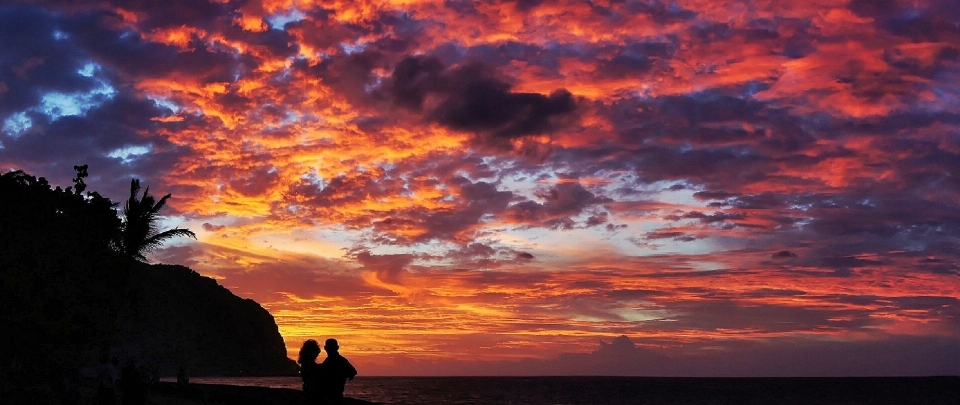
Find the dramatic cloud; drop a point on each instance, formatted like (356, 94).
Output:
(471, 186)
(472, 98)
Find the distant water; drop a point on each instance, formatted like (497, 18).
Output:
(632, 390)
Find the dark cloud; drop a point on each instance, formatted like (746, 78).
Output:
(670, 234)
(413, 78)
(524, 5)
(351, 75)
(322, 31)
(108, 42)
(213, 228)
(472, 98)
(560, 204)
(254, 181)
(345, 189)
(933, 21)
(486, 256)
(619, 357)
(176, 13)
(477, 199)
(783, 255)
(389, 268)
(489, 106)
(659, 11)
(547, 60)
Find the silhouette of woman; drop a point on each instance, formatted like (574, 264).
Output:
(311, 373)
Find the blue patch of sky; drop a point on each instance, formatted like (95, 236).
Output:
(313, 177)
(520, 185)
(645, 91)
(164, 222)
(355, 47)
(642, 314)
(166, 103)
(374, 85)
(291, 117)
(56, 104)
(278, 20)
(286, 73)
(88, 69)
(16, 124)
(130, 153)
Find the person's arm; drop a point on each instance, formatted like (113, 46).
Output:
(351, 370)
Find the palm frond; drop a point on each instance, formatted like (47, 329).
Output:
(139, 226)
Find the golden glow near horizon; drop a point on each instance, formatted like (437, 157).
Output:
(489, 181)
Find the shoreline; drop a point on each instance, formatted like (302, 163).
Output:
(932, 390)
(169, 393)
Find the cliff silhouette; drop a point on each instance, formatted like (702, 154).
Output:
(68, 294)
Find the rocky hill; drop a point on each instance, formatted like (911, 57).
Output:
(67, 296)
(176, 317)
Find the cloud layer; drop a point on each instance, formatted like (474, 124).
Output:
(508, 181)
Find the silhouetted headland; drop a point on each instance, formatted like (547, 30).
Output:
(75, 287)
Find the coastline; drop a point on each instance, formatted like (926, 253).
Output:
(578, 390)
(168, 393)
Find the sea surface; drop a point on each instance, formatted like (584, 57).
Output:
(632, 390)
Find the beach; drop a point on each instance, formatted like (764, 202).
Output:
(201, 394)
(167, 393)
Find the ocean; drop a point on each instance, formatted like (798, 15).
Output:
(633, 390)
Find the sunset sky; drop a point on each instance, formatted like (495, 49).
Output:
(466, 187)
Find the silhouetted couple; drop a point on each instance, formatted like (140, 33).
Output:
(323, 383)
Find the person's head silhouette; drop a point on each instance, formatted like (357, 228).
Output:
(309, 351)
(331, 346)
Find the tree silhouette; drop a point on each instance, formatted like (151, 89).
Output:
(139, 234)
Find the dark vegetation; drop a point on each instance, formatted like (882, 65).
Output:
(74, 284)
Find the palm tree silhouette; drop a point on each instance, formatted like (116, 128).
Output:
(139, 234)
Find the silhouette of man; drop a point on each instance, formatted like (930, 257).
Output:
(336, 370)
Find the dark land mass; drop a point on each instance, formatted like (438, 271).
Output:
(69, 297)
